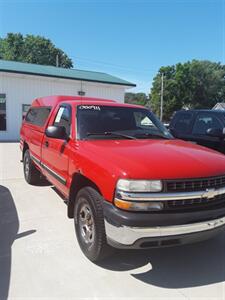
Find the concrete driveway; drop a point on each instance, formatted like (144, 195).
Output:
(40, 257)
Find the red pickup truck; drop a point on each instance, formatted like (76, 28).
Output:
(128, 182)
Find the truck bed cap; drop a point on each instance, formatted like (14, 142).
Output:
(54, 100)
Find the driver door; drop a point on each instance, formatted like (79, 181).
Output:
(55, 152)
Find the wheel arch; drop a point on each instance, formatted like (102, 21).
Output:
(78, 182)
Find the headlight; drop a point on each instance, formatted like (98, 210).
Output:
(139, 185)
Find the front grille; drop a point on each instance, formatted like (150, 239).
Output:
(191, 185)
(195, 204)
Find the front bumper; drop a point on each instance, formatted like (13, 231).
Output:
(138, 237)
(154, 229)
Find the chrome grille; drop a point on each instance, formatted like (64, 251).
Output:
(196, 204)
(190, 185)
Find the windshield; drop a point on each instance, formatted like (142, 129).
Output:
(114, 122)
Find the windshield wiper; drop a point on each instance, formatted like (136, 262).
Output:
(152, 135)
(109, 133)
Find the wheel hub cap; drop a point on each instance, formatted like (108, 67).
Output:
(86, 223)
(26, 167)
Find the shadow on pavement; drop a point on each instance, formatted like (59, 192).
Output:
(9, 226)
(175, 267)
(42, 182)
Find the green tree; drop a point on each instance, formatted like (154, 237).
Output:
(136, 98)
(194, 84)
(32, 49)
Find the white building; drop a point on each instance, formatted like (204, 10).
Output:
(20, 83)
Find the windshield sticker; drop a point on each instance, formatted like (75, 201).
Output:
(94, 107)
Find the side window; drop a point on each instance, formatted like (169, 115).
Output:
(30, 117)
(63, 118)
(25, 108)
(38, 115)
(42, 116)
(2, 112)
(204, 121)
(183, 122)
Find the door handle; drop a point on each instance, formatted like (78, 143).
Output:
(46, 143)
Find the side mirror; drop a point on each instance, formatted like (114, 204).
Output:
(56, 132)
(216, 132)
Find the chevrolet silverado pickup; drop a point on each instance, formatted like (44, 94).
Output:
(127, 182)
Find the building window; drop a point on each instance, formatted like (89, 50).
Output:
(25, 108)
(2, 112)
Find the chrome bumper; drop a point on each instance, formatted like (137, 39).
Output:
(129, 235)
(209, 194)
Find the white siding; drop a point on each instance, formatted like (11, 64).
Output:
(22, 89)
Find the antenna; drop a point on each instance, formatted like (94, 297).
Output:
(162, 90)
(81, 85)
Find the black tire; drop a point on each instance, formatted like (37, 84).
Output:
(91, 237)
(31, 174)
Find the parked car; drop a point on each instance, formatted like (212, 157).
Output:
(128, 183)
(204, 127)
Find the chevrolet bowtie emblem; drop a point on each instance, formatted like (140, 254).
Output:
(209, 193)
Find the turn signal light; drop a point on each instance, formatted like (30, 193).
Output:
(138, 206)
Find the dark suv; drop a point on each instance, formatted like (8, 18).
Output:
(204, 127)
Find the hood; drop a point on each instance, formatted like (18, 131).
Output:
(156, 159)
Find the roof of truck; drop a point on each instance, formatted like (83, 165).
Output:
(54, 100)
(56, 72)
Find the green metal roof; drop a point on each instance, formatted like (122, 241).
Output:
(50, 71)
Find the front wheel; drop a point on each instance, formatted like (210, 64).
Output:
(89, 224)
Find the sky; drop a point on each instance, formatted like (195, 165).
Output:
(130, 39)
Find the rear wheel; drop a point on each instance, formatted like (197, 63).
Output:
(89, 224)
(31, 174)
